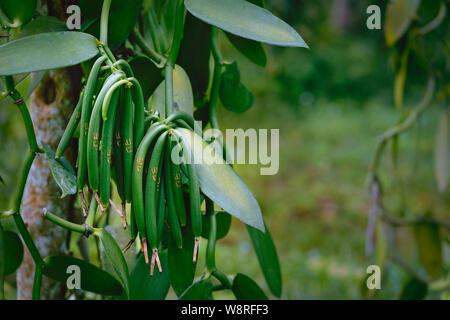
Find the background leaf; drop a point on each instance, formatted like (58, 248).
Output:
(41, 24)
(115, 258)
(268, 258)
(146, 287)
(200, 290)
(441, 151)
(181, 266)
(245, 288)
(246, 20)
(223, 221)
(92, 279)
(399, 14)
(19, 12)
(414, 289)
(183, 99)
(220, 183)
(234, 96)
(46, 51)
(64, 177)
(429, 245)
(122, 18)
(148, 75)
(13, 250)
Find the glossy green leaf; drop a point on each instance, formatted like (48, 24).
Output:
(115, 258)
(441, 150)
(13, 251)
(122, 18)
(268, 258)
(183, 99)
(220, 183)
(92, 278)
(181, 266)
(199, 290)
(46, 51)
(64, 177)
(146, 287)
(194, 54)
(399, 14)
(42, 24)
(223, 221)
(245, 288)
(234, 96)
(245, 19)
(429, 245)
(148, 75)
(414, 289)
(19, 12)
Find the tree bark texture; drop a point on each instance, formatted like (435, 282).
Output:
(51, 105)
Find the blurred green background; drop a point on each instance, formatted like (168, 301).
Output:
(330, 104)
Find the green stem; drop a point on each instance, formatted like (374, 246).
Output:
(17, 199)
(403, 126)
(212, 237)
(169, 89)
(85, 229)
(152, 54)
(104, 22)
(4, 20)
(178, 33)
(28, 240)
(15, 95)
(222, 278)
(36, 295)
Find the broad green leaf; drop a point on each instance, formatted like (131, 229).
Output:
(46, 51)
(245, 19)
(148, 75)
(441, 150)
(429, 245)
(234, 96)
(183, 99)
(115, 258)
(268, 258)
(399, 14)
(414, 289)
(200, 290)
(13, 251)
(194, 54)
(92, 278)
(146, 287)
(220, 183)
(122, 18)
(252, 50)
(223, 221)
(181, 266)
(41, 24)
(64, 177)
(245, 288)
(19, 12)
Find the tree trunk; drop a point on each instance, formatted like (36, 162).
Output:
(51, 105)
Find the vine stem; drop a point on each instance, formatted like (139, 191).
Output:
(403, 126)
(84, 229)
(217, 76)
(212, 237)
(171, 60)
(37, 283)
(104, 22)
(28, 240)
(152, 54)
